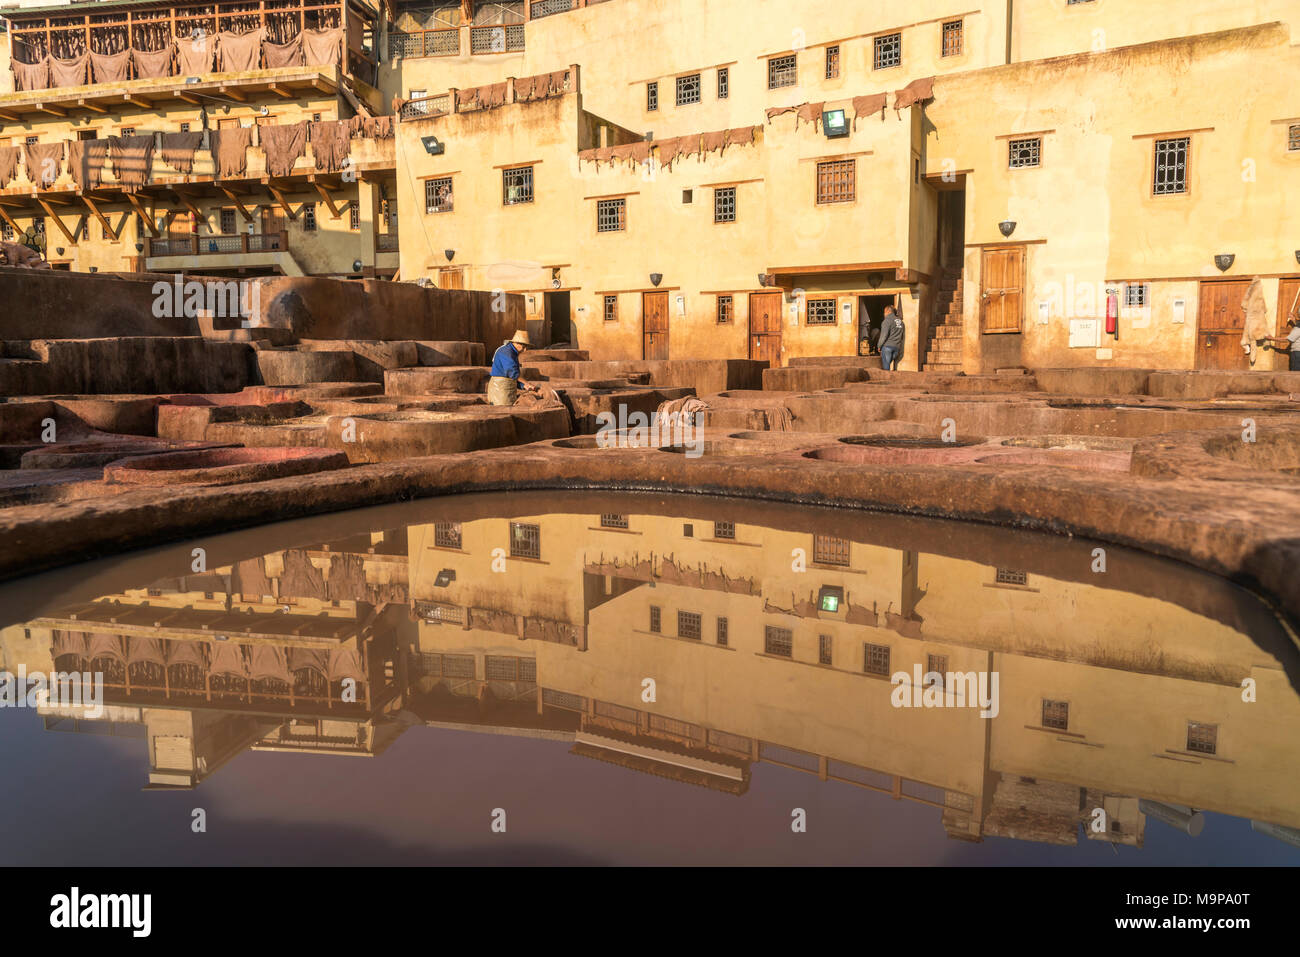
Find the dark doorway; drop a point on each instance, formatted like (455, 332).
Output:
(871, 314)
(557, 318)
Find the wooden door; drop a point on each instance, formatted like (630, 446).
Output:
(451, 278)
(273, 223)
(1220, 320)
(1002, 284)
(765, 327)
(654, 325)
(1288, 303)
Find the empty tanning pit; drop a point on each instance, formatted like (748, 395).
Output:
(412, 433)
(898, 451)
(221, 466)
(1088, 460)
(87, 455)
(605, 440)
(910, 442)
(1071, 443)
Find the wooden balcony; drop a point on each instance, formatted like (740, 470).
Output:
(230, 245)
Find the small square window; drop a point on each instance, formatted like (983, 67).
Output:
(722, 632)
(724, 83)
(517, 185)
(1171, 166)
(525, 540)
(688, 531)
(875, 659)
(782, 71)
(778, 641)
(825, 645)
(821, 312)
(1202, 738)
(837, 181)
(446, 534)
(832, 62)
(652, 96)
(726, 309)
(725, 530)
(1010, 576)
(1056, 715)
(611, 519)
(228, 222)
(437, 195)
(829, 550)
(690, 625)
(688, 197)
(309, 217)
(1137, 295)
(656, 619)
(127, 131)
(7, 232)
(888, 51)
(185, 127)
(611, 310)
(1293, 137)
(611, 215)
(688, 89)
(952, 31)
(354, 216)
(1024, 152)
(724, 204)
(33, 140)
(937, 665)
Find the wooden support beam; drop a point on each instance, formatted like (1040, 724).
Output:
(52, 110)
(187, 97)
(85, 104)
(234, 198)
(281, 91)
(335, 210)
(10, 117)
(4, 214)
(146, 215)
(49, 210)
(284, 203)
(234, 94)
(49, 199)
(136, 100)
(194, 210)
(103, 220)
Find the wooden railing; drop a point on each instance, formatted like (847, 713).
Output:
(217, 245)
(419, 43)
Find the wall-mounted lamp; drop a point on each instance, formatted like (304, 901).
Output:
(1007, 227)
(762, 279)
(1224, 261)
(139, 245)
(450, 254)
(874, 280)
(1297, 255)
(356, 265)
(432, 145)
(59, 250)
(656, 278)
(94, 269)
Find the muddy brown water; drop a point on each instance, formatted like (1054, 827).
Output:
(648, 679)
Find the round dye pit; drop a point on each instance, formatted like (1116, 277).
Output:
(227, 466)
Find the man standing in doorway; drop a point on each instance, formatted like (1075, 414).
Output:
(504, 386)
(892, 333)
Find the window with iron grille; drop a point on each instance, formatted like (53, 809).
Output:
(936, 665)
(1137, 294)
(656, 619)
(309, 217)
(724, 204)
(228, 221)
(1202, 738)
(782, 71)
(821, 312)
(611, 308)
(1009, 576)
(7, 232)
(875, 659)
(527, 669)
(726, 309)
(888, 51)
(127, 131)
(611, 215)
(517, 185)
(1024, 152)
(952, 31)
(458, 666)
(688, 89)
(825, 644)
(724, 83)
(84, 232)
(778, 641)
(724, 529)
(652, 96)
(1056, 715)
(837, 181)
(446, 534)
(525, 540)
(611, 520)
(500, 668)
(829, 550)
(690, 625)
(437, 195)
(354, 216)
(1293, 137)
(562, 699)
(1171, 166)
(722, 632)
(103, 232)
(832, 62)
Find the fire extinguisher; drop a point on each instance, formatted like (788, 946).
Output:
(1112, 313)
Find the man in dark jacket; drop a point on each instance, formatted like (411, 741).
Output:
(892, 334)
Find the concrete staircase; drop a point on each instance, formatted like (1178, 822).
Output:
(943, 351)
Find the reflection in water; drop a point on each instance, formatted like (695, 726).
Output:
(1050, 690)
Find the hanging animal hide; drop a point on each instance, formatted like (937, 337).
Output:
(331, 144)
(8, 164)
(809, 113)
(279, 55)
(195, 55)
(178, 150)
(229, 148)
(44, 163)
(283, 146)
(322, 47)
(132, 159)
(868, 106)
(152, 63)
(775, 111)
(239, 52)
(918, 91)
(31, 76)
(110, 67)
(86, 159)
(74, 72)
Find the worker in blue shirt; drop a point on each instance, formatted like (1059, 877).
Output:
(504, 386)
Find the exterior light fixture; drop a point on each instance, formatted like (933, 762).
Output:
(94, 269)
(356, 265)
(1007, 226)
(656, 278)
(834, 125)
(829, 599)
(1224, 261)
(450, 254)
(59, 250)
(874, 280)
(139, 245)
(432, 145)
(445, 578)
(762, 279)
(1297, 255)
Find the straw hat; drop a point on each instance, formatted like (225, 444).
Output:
(521, 339)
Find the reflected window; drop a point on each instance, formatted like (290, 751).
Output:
(446, 534)
(828, 550)
(938, 665)
(1202, 738)
(525, 540)
(656, 619)
(690, 625)
(824, 645)
(875, 659)
(1010, 576)
(779, 641)
(1056, 715)
(611, 520)
(722, 632)
(724, 530)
